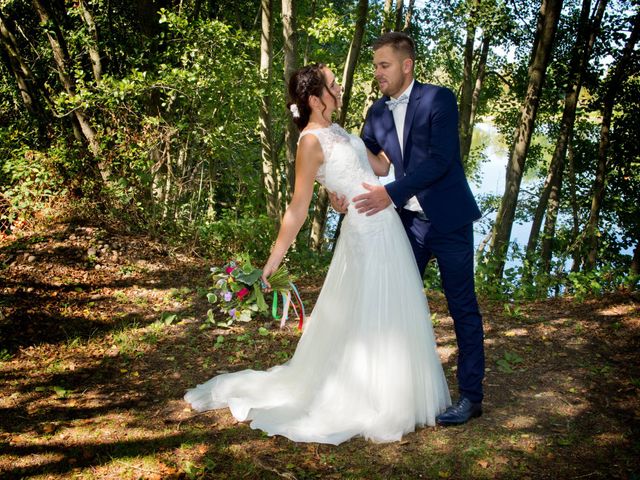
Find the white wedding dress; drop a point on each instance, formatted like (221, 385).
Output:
(366, 363)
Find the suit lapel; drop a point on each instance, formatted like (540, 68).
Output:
(392, 147)
(414, 102)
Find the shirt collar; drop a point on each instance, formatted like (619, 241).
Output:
(407, 92)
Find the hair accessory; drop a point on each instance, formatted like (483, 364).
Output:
(294, 110)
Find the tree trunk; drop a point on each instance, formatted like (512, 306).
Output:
(266, 135)
(147, 14)
(305, 57)
(613, 85)
(551, 217)
(587, 32)
(575, 230)
(63, 62)
(399, 17)
(475, 98)
(27, 86)
(372, 92)
(319, 219)
(635, 262)
(195, 12)
(408, 16)
(352, 58)
(388, 20)
(466, 91)
(290, 65)
(94, 53)
(549, 16)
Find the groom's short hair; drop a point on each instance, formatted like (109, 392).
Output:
(398, 41)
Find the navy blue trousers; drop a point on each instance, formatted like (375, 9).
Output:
(454, 254)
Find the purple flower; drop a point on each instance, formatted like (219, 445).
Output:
(232, 312)
(228, 296)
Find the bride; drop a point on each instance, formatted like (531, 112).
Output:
(366, 363)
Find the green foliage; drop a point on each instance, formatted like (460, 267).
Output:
(176, 118)
(230, 234)
(431, 278)
(508, 362)
(5, 355)
(600, 281)
(168, 318)
(31, 179)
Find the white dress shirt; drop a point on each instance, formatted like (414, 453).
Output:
(399, 114)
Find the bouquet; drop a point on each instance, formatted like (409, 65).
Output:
(237, 292)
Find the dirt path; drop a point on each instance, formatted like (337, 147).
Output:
(91, 379)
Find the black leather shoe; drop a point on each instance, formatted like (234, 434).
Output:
(460, 413)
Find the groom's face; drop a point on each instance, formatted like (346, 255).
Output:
(392, 70)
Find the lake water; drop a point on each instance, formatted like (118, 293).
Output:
(491, 179)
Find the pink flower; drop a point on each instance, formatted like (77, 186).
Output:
(230, 269)
(242, 293)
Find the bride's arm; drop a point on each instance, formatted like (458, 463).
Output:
(379, 163)
(308, 160)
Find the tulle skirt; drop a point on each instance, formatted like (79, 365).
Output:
(366, 363)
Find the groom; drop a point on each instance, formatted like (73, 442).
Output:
(416, 126)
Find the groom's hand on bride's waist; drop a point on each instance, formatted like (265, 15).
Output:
(373, 201)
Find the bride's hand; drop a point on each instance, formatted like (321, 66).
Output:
(339, 202)
(267, 271)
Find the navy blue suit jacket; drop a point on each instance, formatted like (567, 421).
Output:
(431, 168)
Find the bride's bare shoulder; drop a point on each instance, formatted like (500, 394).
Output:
(309, 147)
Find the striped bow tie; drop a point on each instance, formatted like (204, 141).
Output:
(392, 104)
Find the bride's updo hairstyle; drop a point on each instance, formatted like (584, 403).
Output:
(307, 81)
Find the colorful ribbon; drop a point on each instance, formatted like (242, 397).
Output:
(286, 303)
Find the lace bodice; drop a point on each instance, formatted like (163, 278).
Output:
(345, 164)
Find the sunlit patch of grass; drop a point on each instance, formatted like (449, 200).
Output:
(121, 296)
(181, 293)
(147, 466)
(127, 340)
(154, 332)
(56, 366)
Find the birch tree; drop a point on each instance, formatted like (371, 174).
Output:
(92, 47)
(541, 53)
(65, 73)
(32, 95)
(408, 16)
(269, 177)
(290, 36)
(611, 89)
(468, 81)
(352, 58)
(588, 29)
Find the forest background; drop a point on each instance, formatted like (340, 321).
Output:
(171, 117)
(144, 141)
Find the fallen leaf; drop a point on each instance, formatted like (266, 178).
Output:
(48, 428)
